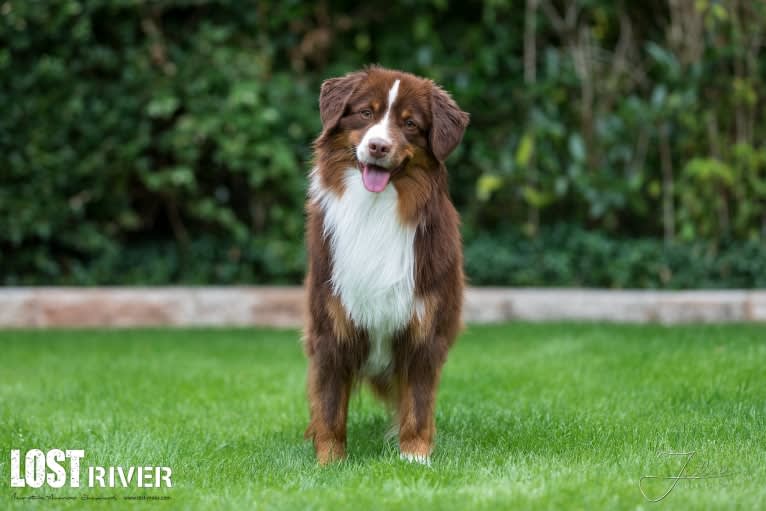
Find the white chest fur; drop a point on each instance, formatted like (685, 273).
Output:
(373, 256)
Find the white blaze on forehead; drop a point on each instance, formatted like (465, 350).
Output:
(392, 96)
(380, 129)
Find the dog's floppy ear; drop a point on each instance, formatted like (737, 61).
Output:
(448, 123)
(334, 96)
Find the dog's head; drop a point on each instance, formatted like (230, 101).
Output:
(388, 123)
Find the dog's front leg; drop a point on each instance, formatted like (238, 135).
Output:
(329, 386)
(417, 399)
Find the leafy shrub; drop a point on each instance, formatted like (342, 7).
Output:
(162, 142)
(566, 255)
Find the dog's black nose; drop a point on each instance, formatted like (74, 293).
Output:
(378, 147)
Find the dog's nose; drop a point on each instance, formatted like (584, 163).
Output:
(378, 147)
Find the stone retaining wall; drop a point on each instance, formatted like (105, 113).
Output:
(284, 306)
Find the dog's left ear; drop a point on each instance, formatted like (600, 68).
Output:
(448, 123)
(334, 96)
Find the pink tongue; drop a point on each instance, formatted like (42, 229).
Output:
(374, 178)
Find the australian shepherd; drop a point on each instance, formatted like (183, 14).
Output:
(385, 271)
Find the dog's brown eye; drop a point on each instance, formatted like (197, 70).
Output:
(366, 114)
(410, 124)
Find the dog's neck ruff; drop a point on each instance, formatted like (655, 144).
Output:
(373, 260)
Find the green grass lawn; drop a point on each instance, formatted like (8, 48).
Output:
(552, 416)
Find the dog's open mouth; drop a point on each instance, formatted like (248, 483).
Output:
(375, 177)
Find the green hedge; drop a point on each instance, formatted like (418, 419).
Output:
(566, 255)
(562, 255)
(168, 141)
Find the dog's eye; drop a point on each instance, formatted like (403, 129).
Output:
(366, 113)
(410, 124)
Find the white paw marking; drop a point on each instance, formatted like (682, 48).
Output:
(415, 458)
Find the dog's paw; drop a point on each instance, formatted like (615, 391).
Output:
(415, 458)
(329, 452)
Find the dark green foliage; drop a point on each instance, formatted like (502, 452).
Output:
(566, 255)
(168, 142)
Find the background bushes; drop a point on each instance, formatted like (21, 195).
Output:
(616, 144)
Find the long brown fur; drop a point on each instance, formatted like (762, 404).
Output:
(336, 348)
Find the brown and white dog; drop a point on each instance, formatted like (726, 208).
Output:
(385, 277)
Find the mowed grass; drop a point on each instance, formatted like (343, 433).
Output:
(530, 416)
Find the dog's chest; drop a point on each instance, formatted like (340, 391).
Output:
(373, 262)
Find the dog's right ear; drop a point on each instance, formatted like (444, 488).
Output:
(334, 96)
